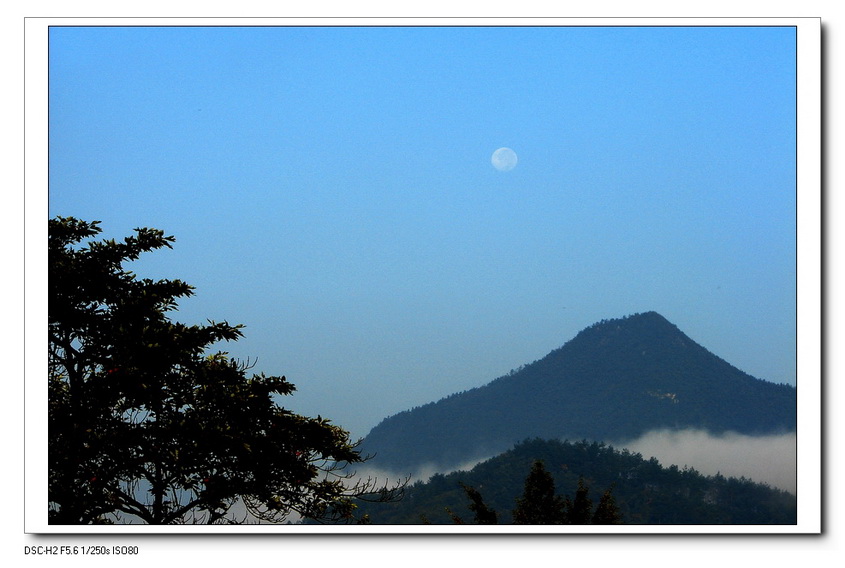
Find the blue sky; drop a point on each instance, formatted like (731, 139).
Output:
(332, 189)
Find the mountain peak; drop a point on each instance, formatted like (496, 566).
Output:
(620, 338)
(636, 321)
(615, 380)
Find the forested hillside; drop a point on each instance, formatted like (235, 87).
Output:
(644, 491)
(614, 381)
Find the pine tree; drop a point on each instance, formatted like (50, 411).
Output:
(539, 505)
(607, 512)
(579, 511)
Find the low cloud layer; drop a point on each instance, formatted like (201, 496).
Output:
(764, 459)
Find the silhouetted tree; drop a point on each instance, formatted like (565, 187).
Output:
(637, 491)
(539, 505)
(607, 512)
(483, 514)
(143, 423)
(579, 511)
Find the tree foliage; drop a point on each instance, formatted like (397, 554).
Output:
(539, 505)
(145, 424)
(641, 491)
(484, 515)
(579, 511)
(607, 512)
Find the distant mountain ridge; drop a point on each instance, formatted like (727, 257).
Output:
(645, 491)
(615, 380)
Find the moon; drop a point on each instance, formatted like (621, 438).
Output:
(504, 159)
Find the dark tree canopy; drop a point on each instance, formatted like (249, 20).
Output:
(539, 505)
(484, 515)
(144, 423)
(635, 490)
(607, 512)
